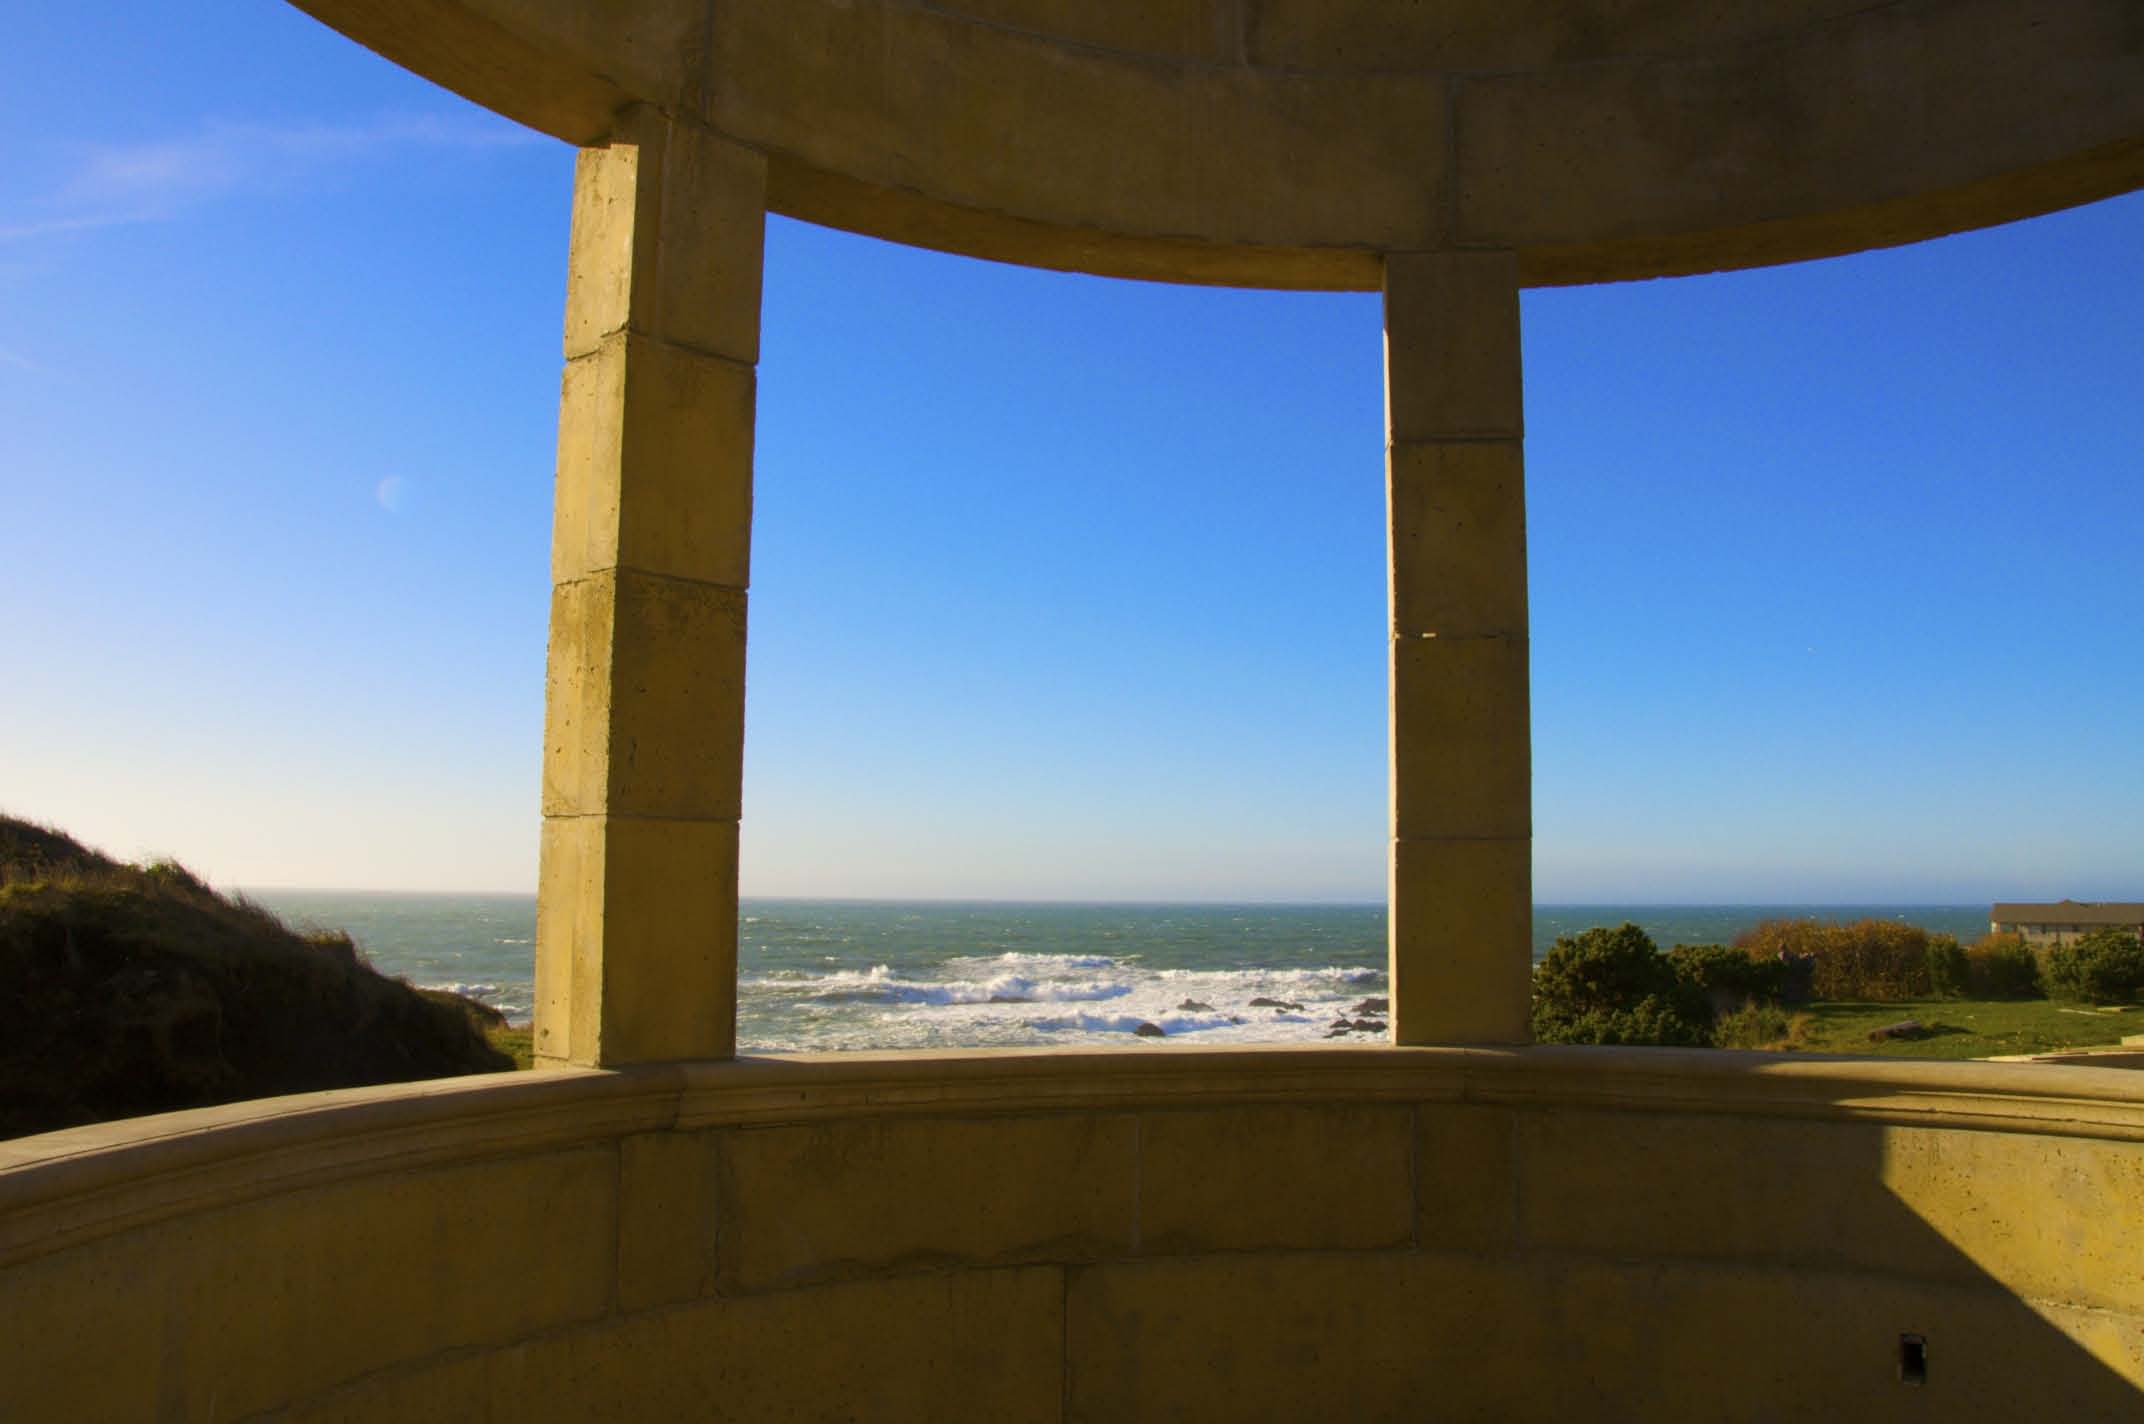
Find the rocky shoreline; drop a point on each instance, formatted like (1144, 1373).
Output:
(1369, 1016)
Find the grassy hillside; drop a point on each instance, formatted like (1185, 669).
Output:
(137, 989)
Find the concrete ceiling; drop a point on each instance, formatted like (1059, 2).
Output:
(1291, 142)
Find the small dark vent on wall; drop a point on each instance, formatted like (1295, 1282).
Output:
(1912, 1359)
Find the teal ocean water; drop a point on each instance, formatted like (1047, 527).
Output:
(820, 974)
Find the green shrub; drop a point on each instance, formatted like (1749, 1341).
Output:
(1869, 959)
(1722, 969)
(1652, 1022)
(2002, 967)
(1760, 1025)
(1615, 986)
(1950, 972)
(2103, 967)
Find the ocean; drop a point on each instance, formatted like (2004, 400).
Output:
(833, 974)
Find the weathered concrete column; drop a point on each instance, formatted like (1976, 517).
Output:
(1462, 817)
(636, 934)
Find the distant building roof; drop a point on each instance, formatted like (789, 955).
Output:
(2071, 912)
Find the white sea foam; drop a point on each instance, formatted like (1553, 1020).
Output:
(1043, 962)
(881, 984)
(1051, 999)
(467, 991)
(1333, 973)
(516, 1001)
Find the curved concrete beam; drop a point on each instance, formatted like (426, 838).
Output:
(1290, 143)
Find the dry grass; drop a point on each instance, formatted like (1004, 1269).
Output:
(137, 989)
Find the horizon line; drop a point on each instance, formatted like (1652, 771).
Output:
(1333, 902)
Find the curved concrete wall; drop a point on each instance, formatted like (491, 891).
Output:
(1421, 1234)
(1288, 142)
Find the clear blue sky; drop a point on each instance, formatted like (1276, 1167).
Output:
(1063, 587)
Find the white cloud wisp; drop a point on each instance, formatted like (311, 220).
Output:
(156, 180)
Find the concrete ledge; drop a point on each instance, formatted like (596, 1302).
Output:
(62, 1187)
(1129, 1232)
(58, 1189)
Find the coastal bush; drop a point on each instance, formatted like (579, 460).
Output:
(1615, 986)
(2002, 966)
(2103, 967)
(1868, 959)
(1729, 977)
(1761, 1025)
(140, 989)
(1950, 972)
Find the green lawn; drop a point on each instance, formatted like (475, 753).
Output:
(1961, 1028)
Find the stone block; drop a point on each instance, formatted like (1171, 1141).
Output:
(569, 940)
(644, 703)
(960, 1345)
(600, 242)
(1402, 1336)
(1754, 1190)
(85, 1330)
(1466, 1184)
(636, 940)
(1075, 136)
(1677, 1341)
(1452, 367)
(2040, 1217)
(1371, 35)
(970, 1345)
(669, 940)
(666, 1218)
(1325, 1175)
(668, 237)
(1369, 1335)
(654, 464)
(1458, 550)
(278, 1300)
(840, 1199)
(1175, 29)
(2114, 1342)
(1462, 754)
(2049, 1218)
(1462, 941)
(460, 1389)
(1827, 124)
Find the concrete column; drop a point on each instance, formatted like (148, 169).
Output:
(636, 932)
(1462, 816)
